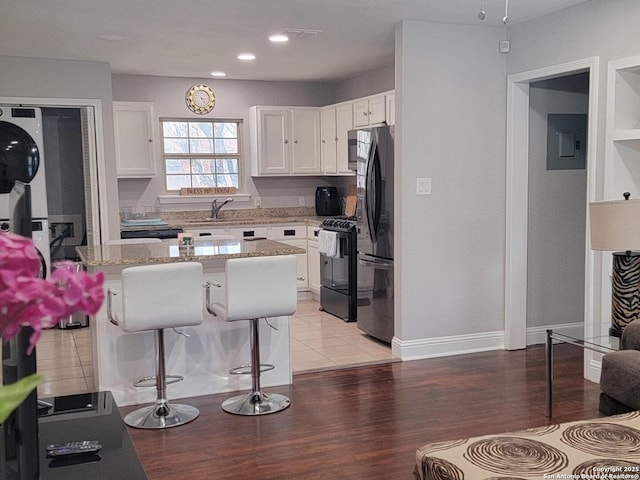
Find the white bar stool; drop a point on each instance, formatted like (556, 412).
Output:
(256, 287)
(156, 297)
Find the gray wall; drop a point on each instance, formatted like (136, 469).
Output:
(376, 81)
(607, 29)
(45, 78)
(233, 99)
(557, 214)
(450, 90)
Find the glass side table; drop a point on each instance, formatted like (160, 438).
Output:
(602, 344)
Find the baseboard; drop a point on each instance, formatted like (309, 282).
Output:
(538, 335)
(445, 346)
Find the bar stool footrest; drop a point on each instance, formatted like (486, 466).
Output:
(246, 369)
(152, 381)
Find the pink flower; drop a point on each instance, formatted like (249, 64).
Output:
(26, 299)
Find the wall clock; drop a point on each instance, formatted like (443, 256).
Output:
(200, 99)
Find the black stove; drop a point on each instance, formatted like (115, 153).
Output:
(339, 224)
(338, 290)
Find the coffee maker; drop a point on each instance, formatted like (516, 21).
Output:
(328, 203)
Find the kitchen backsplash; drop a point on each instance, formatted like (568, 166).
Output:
(247, 213)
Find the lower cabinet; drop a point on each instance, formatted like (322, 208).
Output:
(294, 235)
(313, 261)
(301, 271)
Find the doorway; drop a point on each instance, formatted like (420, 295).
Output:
(558, 117)
(64, 138)
(517, 202)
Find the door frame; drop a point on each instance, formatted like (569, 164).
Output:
(97, 173)
(517, 179)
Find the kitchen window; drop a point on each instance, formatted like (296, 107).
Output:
(201, 153)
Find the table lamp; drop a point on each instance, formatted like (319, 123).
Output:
(615, 227)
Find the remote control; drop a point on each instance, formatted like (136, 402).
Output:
(57, 446)
(73, 448)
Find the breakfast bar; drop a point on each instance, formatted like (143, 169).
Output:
(205, 353)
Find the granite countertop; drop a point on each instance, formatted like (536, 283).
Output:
(233, 218)
(168, 251)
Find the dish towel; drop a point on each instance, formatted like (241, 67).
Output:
(328, 243)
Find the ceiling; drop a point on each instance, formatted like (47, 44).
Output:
(191, 38)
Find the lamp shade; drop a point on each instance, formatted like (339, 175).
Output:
(615, 225)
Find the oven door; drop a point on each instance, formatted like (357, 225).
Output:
(334, 271)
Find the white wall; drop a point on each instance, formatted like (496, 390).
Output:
(557, 216)
(46, 78)
(233, 99)
(450, 88)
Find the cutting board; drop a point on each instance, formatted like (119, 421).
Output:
(350, 206)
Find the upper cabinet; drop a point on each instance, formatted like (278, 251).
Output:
(369, 111)
(310, 140)
(337, 120)
(285, 140)
(622, 165)
(390, 101)
(134, 131)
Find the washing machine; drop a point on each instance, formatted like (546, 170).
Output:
(41, 238)
(22, 157)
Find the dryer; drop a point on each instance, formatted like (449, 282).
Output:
(41, 238)
(22, 157)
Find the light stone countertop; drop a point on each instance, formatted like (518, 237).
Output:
(233, 218)
(168, 251)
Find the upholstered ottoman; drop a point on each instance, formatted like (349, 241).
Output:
(594, 448)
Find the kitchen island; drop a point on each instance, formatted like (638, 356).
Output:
(212, 348)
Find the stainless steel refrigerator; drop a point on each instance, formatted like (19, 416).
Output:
(371, 156)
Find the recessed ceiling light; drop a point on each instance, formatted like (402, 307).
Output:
(218, 74)
(279, 38)
(112, 38)
(246, 56)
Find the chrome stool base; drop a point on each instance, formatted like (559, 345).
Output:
(162, 415)
(256, 403)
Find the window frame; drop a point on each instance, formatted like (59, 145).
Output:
(240, 155)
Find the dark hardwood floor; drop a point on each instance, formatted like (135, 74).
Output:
(367, 422)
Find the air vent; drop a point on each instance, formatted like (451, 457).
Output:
(301, 32)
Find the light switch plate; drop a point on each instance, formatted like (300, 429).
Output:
(504, 46)
(423, 186)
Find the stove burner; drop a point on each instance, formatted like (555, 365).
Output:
(338, 224)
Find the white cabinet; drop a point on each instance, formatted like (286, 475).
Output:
(622, 159)
(249, 232)
(337, 120)
(285, 140)
(207, 232)
(301, 263)
(134, 131)
(313, 261)
(329, 140)
(390, 101)
(294, 235)
(369, 111)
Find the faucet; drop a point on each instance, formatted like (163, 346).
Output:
(215, 208)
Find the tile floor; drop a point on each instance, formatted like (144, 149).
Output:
(319, 342)
(65, 360)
